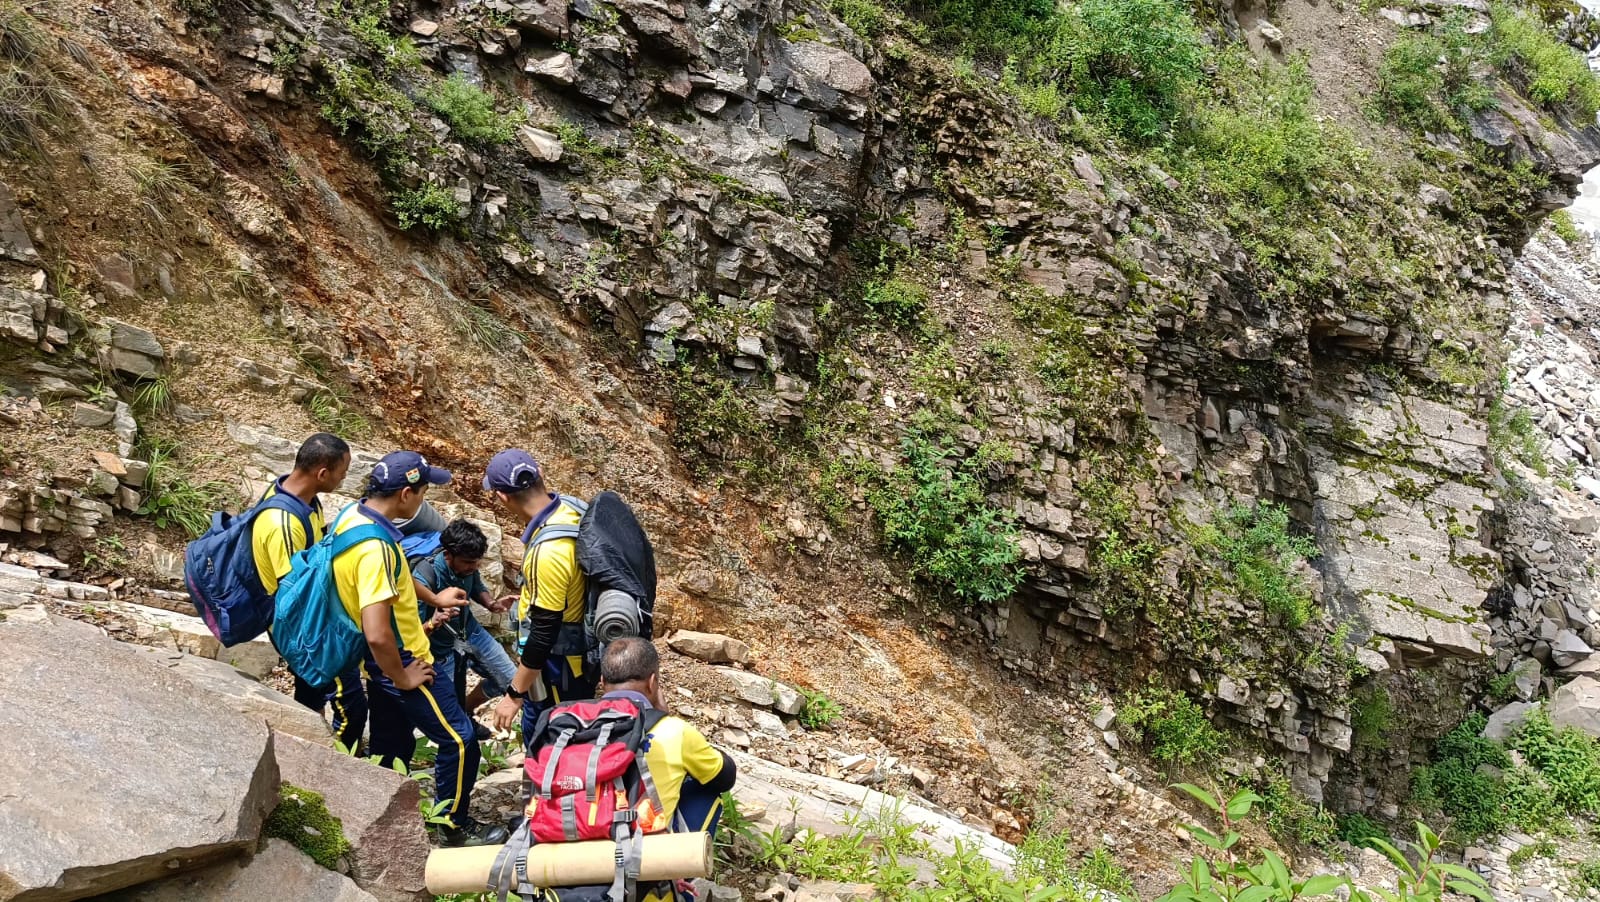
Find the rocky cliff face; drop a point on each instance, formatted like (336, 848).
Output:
(807, 247)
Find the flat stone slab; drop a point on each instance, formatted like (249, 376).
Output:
(245, 696)
(378, 809)
(114, 771)
(279, 872)
(1577, 705)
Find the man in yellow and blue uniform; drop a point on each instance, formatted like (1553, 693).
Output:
(551, 640)
(277, 535)
(375, 586)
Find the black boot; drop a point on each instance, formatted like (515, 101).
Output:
(474, 833)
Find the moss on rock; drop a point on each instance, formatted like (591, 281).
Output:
(303, 818)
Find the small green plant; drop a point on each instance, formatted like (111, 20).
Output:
(1561, 223)
(1291, 817)
(171, 499)
(1171, 726)
(302, 819)
(1259, 554)
(470, 111)
(896, 299)
(864, 17)
(1588, 873)
(1358, 830)
(435, 814)
(1513, 435)
(33, 100)
(1371, 715)
(334, 415)
(1544, 848)
(1220, 875)
(1555, 74)
(431, 206)
(819, 711)
(153, 396)
(941, 520)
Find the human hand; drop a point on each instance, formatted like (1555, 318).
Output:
(453, 597)
(503, 603)
(417, 673)
(507, 712)
(438, 619)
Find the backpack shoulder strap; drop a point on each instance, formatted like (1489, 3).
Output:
(552, 532)
(365, 532)
(282, 502)
(577, 504)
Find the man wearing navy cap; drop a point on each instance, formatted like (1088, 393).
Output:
(404, 691)
(550, 610)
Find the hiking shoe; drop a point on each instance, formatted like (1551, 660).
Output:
(474, 833)
(483, 733)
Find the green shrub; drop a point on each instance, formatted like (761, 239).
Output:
(1561, 223)
(173, 499)
(1171, 726)
(1568, 760)
(1359, 830)
(1464, 779)
(355, 99)
(332, 413)
(896, 299)
(712, 414)
(1513, 435)
(470, 111)
(864, 17)
(1371, 715)
(1430, 80)
(1136, 62)
(431, 206)
(1555, 74)
(1291, 817)
(302, 818)
(819, 710)
(1255, 548)
(1589, 873)
(940, 519)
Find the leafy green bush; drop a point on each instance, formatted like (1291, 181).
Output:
(864, 17)
(355, 99)
(941, 520)
(1561, 223)
(1589, 873)
(1567, 760)
(819, 710)
(470, 111)
(1513, 435)
(1371, 715)
(302, 818)
(1359, 830)
(1464, 779)
(896, 298)
(1555, 74)
(1431, 80)
(1291, 817)
(431, 206)
(1259, 554)
(1171, 726)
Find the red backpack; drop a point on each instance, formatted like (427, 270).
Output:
(588, 780)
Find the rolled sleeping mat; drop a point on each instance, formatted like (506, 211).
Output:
(425, 520)
(665, 856)
(616, 616)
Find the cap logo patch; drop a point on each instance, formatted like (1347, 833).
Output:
(412, 475)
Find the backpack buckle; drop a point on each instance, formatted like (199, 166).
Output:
(624, 816)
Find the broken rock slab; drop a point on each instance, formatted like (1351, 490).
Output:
(1577, 705)
(234, 690)
(713, 648)
(1505, 721)
(378, 809)
(278, 872)
(133, 352)
(764, 691)
(144, 779)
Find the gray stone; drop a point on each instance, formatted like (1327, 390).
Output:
(558, 68)
(1567, 649)
(19, 314)
(278, 872)
(769, 723)
(1271, 35)
(1233, 692)
(91, 416)
(1577, 705)
(1434, 197)
(1105, 717)
(712, 648)
(378, 809)
(540, 144)
(114, 770)
(244, 695)
(133, 352)
(1505, 721)
(1527, 680)
(15, 244)
(763, 691)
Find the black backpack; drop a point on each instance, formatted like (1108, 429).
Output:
(619, 569)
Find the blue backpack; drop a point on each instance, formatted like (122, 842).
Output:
(220, 570)
(315, 636)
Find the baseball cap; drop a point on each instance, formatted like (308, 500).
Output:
(512, 470)
(404, 469)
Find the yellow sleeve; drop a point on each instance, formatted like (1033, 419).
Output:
(374, 574)
(274, 537)
(701, 760)
(547, 574)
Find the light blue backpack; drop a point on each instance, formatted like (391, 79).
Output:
(315, 636)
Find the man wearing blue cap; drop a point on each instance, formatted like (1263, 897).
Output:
(550, 611)
(404, 691)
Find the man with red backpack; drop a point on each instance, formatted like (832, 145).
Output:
(618, 767)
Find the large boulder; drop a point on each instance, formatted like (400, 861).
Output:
(1577, 705)
(232, 689)
(713, 648)
(763, 691)
(279, 872)
(114, 771)
(1504, 722)
(378, 808)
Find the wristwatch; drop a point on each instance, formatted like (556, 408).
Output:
(511, 692)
